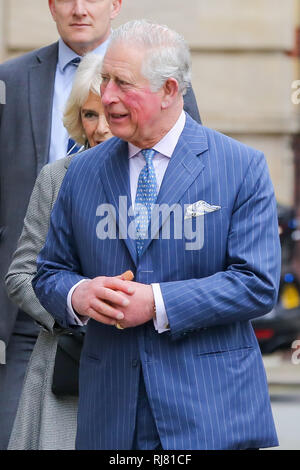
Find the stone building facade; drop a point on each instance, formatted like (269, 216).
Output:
(245, 59)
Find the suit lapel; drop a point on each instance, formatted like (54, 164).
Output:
(114, 175)
(41, 89)
(184, 167)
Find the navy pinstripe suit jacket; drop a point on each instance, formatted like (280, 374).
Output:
(204, 378)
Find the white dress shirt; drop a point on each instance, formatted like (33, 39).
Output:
(164, 148)
(64, 76)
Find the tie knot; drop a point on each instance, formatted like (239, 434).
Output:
(148, 155)
(75, 61)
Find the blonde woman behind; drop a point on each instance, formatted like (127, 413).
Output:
(45, 421)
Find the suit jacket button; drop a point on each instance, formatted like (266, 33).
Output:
(135, 362)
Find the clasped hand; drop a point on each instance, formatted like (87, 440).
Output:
(112, 300)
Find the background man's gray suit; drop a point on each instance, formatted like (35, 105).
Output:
(25, 126)
(25, 130)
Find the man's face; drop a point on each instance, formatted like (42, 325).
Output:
(84, 24)
(133, 111)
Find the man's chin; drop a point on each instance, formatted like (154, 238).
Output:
(121, 135)
(81, 41)
(118, 129)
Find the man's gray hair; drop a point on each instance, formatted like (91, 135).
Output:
(167, 54)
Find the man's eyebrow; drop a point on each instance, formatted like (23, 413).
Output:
(116, 78)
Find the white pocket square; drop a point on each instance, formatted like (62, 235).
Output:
(199, 208)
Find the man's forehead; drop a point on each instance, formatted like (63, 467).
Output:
(124, 51)
(122, 60)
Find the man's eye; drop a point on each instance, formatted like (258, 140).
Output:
(122, 83)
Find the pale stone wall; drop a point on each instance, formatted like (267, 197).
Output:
(220, 24)
(213, 24)
(30, 24)
(242, 74)
(245, 92)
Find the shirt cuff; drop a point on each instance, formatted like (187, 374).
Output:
(73, 318)
(161, 322)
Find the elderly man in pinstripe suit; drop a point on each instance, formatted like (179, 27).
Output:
(170, 360)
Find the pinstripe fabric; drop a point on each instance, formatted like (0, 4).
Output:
(145, 436)
(205, 378)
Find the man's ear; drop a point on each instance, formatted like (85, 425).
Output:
(170, 92)
(115, 8)
(51, 4)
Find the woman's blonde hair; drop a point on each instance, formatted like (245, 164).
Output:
(87, 78)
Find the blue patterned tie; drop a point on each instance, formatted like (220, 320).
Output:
(146, 195)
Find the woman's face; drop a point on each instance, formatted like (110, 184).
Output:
(93, 120)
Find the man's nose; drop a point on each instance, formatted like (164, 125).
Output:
(79, 8)
(109, 93)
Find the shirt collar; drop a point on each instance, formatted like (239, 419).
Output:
(65, 54)
(167, 144)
